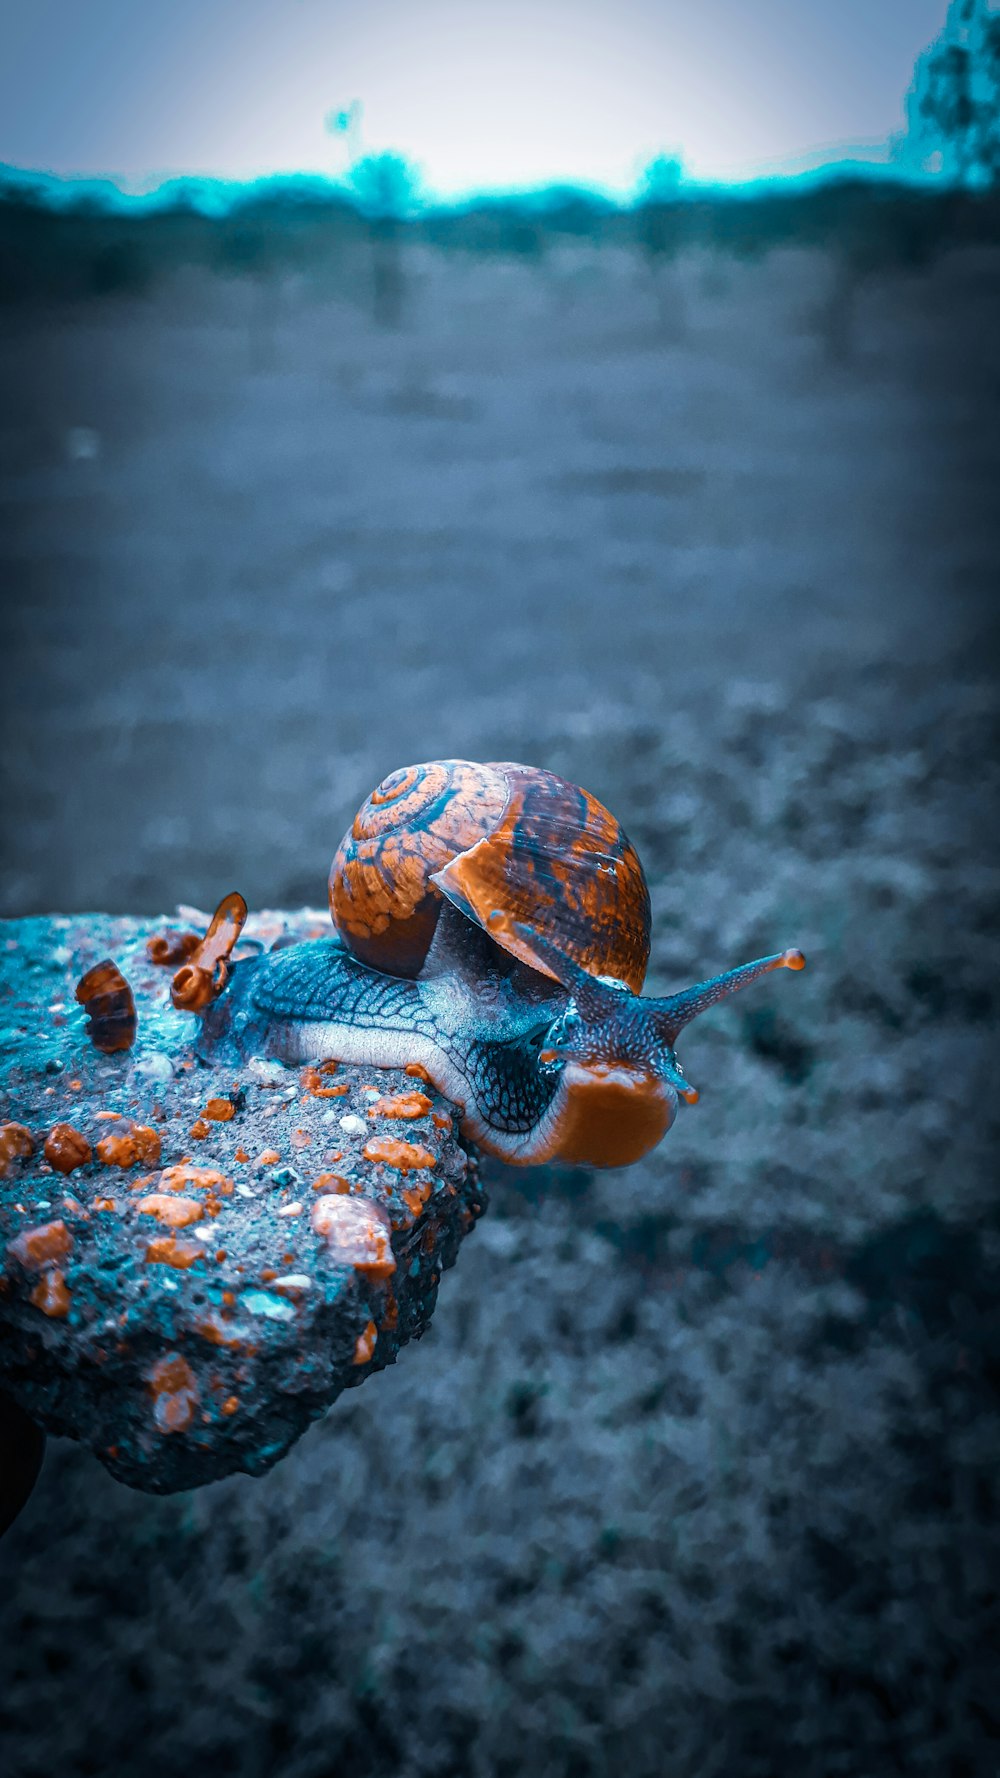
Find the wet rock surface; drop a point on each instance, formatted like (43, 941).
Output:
(197, 1260)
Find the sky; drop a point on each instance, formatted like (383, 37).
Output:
(480, 94)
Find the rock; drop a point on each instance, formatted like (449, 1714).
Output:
(199, 1259)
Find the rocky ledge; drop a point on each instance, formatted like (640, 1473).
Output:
(196, 1260)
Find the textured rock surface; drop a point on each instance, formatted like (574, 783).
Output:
(190, 1297)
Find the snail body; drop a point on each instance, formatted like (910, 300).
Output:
(492, 927)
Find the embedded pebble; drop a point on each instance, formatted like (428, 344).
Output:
(259, 1302)
(155, 1065)
(270, 1074)
(352, 1125)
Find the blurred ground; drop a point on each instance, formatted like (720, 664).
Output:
(696, 1471)
(257, 553)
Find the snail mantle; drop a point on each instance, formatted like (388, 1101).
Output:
(196, 1258)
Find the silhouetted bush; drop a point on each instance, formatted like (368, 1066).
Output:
(51, 249)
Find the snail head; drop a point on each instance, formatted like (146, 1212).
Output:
(604, 1024)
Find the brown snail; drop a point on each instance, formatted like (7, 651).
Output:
(493, 927)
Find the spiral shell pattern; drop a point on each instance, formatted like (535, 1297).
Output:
(382, 900)
(506, 837)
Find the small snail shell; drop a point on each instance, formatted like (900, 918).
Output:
(206, 971)
(515, 848)
(109, 1004)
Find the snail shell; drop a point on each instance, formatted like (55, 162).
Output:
(515, 848)
(109, 1003)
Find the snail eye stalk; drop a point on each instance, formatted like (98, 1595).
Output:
(673, 1012)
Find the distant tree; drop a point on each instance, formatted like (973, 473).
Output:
(954, 108)
(661, 180)
(659, 221)
(385, 188)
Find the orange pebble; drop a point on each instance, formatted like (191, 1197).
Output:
(404, 1156)
(219, 1110)
(166, 1250)
(176, 1212)
(364, 1345)
(331, 1182)
(148, 1144)
(65, 1148)
(402, 1105)
(15, 1141)
(216, 1334)
(312, 1082)
(357, 1233)
(268, 1157)
(51, 1295)
(39, 1246)
(185, 1174)
(417, 1196)
(175, 1393)
(139, 1143)
(230, 1404)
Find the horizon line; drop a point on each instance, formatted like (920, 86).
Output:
(224, 191)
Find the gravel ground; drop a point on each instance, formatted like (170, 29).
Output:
(695, 1472)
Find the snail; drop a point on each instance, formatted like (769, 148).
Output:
(492, 931)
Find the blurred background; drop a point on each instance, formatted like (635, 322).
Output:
(615, 388)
